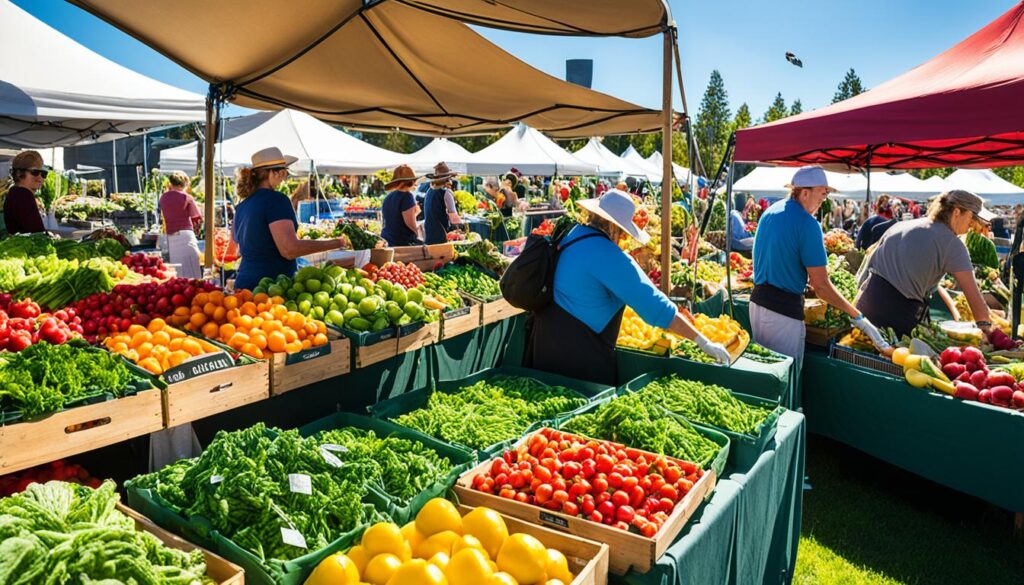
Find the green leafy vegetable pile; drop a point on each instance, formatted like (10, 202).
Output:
(490, 411)
(57, 533)
(43, 378)
(635, 422)
(470, 279)
(705, 403)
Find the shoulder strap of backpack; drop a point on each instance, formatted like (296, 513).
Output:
(561, 248)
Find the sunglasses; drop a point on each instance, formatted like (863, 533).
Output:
(37, 172)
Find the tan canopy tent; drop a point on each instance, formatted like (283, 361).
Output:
(413, 65)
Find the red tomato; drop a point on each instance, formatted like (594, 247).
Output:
(560, 497)
(621, 525)
(615, 479)
(600, 484)
(620, 498)
(588, 468)
(649, 529)
(522, 497)
(636, 496)
(625, 514)
(588, 505)
(604, 463)
(669, 491)
(628, 483)
(507, 493)
(543, 493)
(595, 516)
(542, 473)
(571, 508)
(606, 509)
(585, 453)
(666, 505)
(558, 484)
(571, 469)
(672, 474)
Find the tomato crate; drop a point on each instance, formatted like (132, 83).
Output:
(302, 368)
(221, 571)
(459, 321)
(588, 560)
(27, 443)
(628, 551)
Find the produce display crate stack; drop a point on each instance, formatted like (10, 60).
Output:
(369, 348)
(294, 370)
(459, 321)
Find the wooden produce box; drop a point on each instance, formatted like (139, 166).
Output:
(588, 560)
(367, 355)
(428, 334)
(79, 429)
(291, 371)
(425, 257)
(467, 319)
(218, 569)
(218, 391)
(627, 551)
(498, 310)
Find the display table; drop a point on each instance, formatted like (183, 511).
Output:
(533, 219)
(968, 446)
(749, 530)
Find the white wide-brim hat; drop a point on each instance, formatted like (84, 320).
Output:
(618, 208)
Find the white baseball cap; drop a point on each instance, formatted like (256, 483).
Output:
(618, 208)
(810, 177)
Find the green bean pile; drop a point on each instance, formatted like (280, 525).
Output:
(490, 411)
(759, 353)
(636, 422)
(703, 403)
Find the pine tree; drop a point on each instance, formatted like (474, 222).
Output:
(777, 111)
(796, 108)
(743, 118)
(848, 87)
(713, 124)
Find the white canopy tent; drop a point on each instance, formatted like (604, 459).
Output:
(439, 150)
(63, 93)
(631, 155)
(938, 184)
(899, 185)
(989, 186)
(529, 151)
(297, 134)
(770, 182)
(608, 163)
(681, 174)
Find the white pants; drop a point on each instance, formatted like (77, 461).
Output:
(779, 333)
(183, 249)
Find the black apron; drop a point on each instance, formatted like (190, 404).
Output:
(885, 306)
(562, 344)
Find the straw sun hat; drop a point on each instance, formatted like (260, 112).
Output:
(616, 207)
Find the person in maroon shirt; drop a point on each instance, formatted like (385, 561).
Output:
(21, 212)
(181, 221)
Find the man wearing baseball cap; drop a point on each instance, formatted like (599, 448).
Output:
(789, 250)
(21, 213)
(914, 255)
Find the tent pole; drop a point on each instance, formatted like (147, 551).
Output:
(728, 229)
(867, 196)
(208, 179)
(666, 159)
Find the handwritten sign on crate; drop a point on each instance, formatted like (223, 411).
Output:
(197, 366)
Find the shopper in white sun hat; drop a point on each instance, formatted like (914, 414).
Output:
(789, 249)
(594, 282)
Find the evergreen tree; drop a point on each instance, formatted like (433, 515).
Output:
(848, 87)
(777, 110)
(796, 108)
(713, 124)
(743, 118)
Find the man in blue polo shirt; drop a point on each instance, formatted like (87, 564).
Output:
(789, 249)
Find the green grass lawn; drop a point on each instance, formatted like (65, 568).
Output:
(866, 522)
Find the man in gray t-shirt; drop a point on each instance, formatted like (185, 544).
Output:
(914, 255)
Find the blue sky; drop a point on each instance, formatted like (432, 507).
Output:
(745, 40)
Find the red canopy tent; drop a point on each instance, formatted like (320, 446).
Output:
(963, 108)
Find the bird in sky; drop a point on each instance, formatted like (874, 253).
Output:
(791, 57)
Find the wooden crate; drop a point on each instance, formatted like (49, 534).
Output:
(220, 570)
(627, 551)
(216, 392)
(425, 257)
(79, 429)
(368, 355)
(461, 324)
(422, 337)
(498, 310)
(588, 560)
(289, 372)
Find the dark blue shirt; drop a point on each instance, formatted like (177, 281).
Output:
(435, 217)
(260, 256)
(864, 236)
(395, 232)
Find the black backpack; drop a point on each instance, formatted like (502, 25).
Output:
(529, 282)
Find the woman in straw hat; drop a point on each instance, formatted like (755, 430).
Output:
(439, 211)
(21, 212)
(399, 209)
(265, 225)
(594, 281)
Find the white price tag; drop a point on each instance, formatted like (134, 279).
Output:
(300, 483)
(293, 537)
(335, 448)
(330, 458)
(216, 479)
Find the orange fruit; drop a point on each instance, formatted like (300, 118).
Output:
(277, 300)
(310, 327)
(244, 322)
(266, 316)
(279, 311)
(276, 342)
(133, 329)
(256, 322)
(226, 331)
(306, 344)
(156, 325)
(293, 347)
(220, 314)
(259, 339)
(244, 295)
(238, 340)
(319, 339)
(217, 297)
(191, 346)
(289, 335)
(201, 299)
(251, 350)
(140, 337)
(175, 333)
(211, 329)
(175, 344)
(209, 309)
(321, 327)
(249, 309)
(270, 325)
(119, 347)
(231, 302)
(197, 320)
(176, 358)
(161, 337)
(295, 320)
(182, 311)
(151, 365)
(261, 298)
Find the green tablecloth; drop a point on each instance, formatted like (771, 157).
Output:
(968, 446)
(748, 532)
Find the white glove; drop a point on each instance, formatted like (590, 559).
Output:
(871, 331)
(715, 350)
